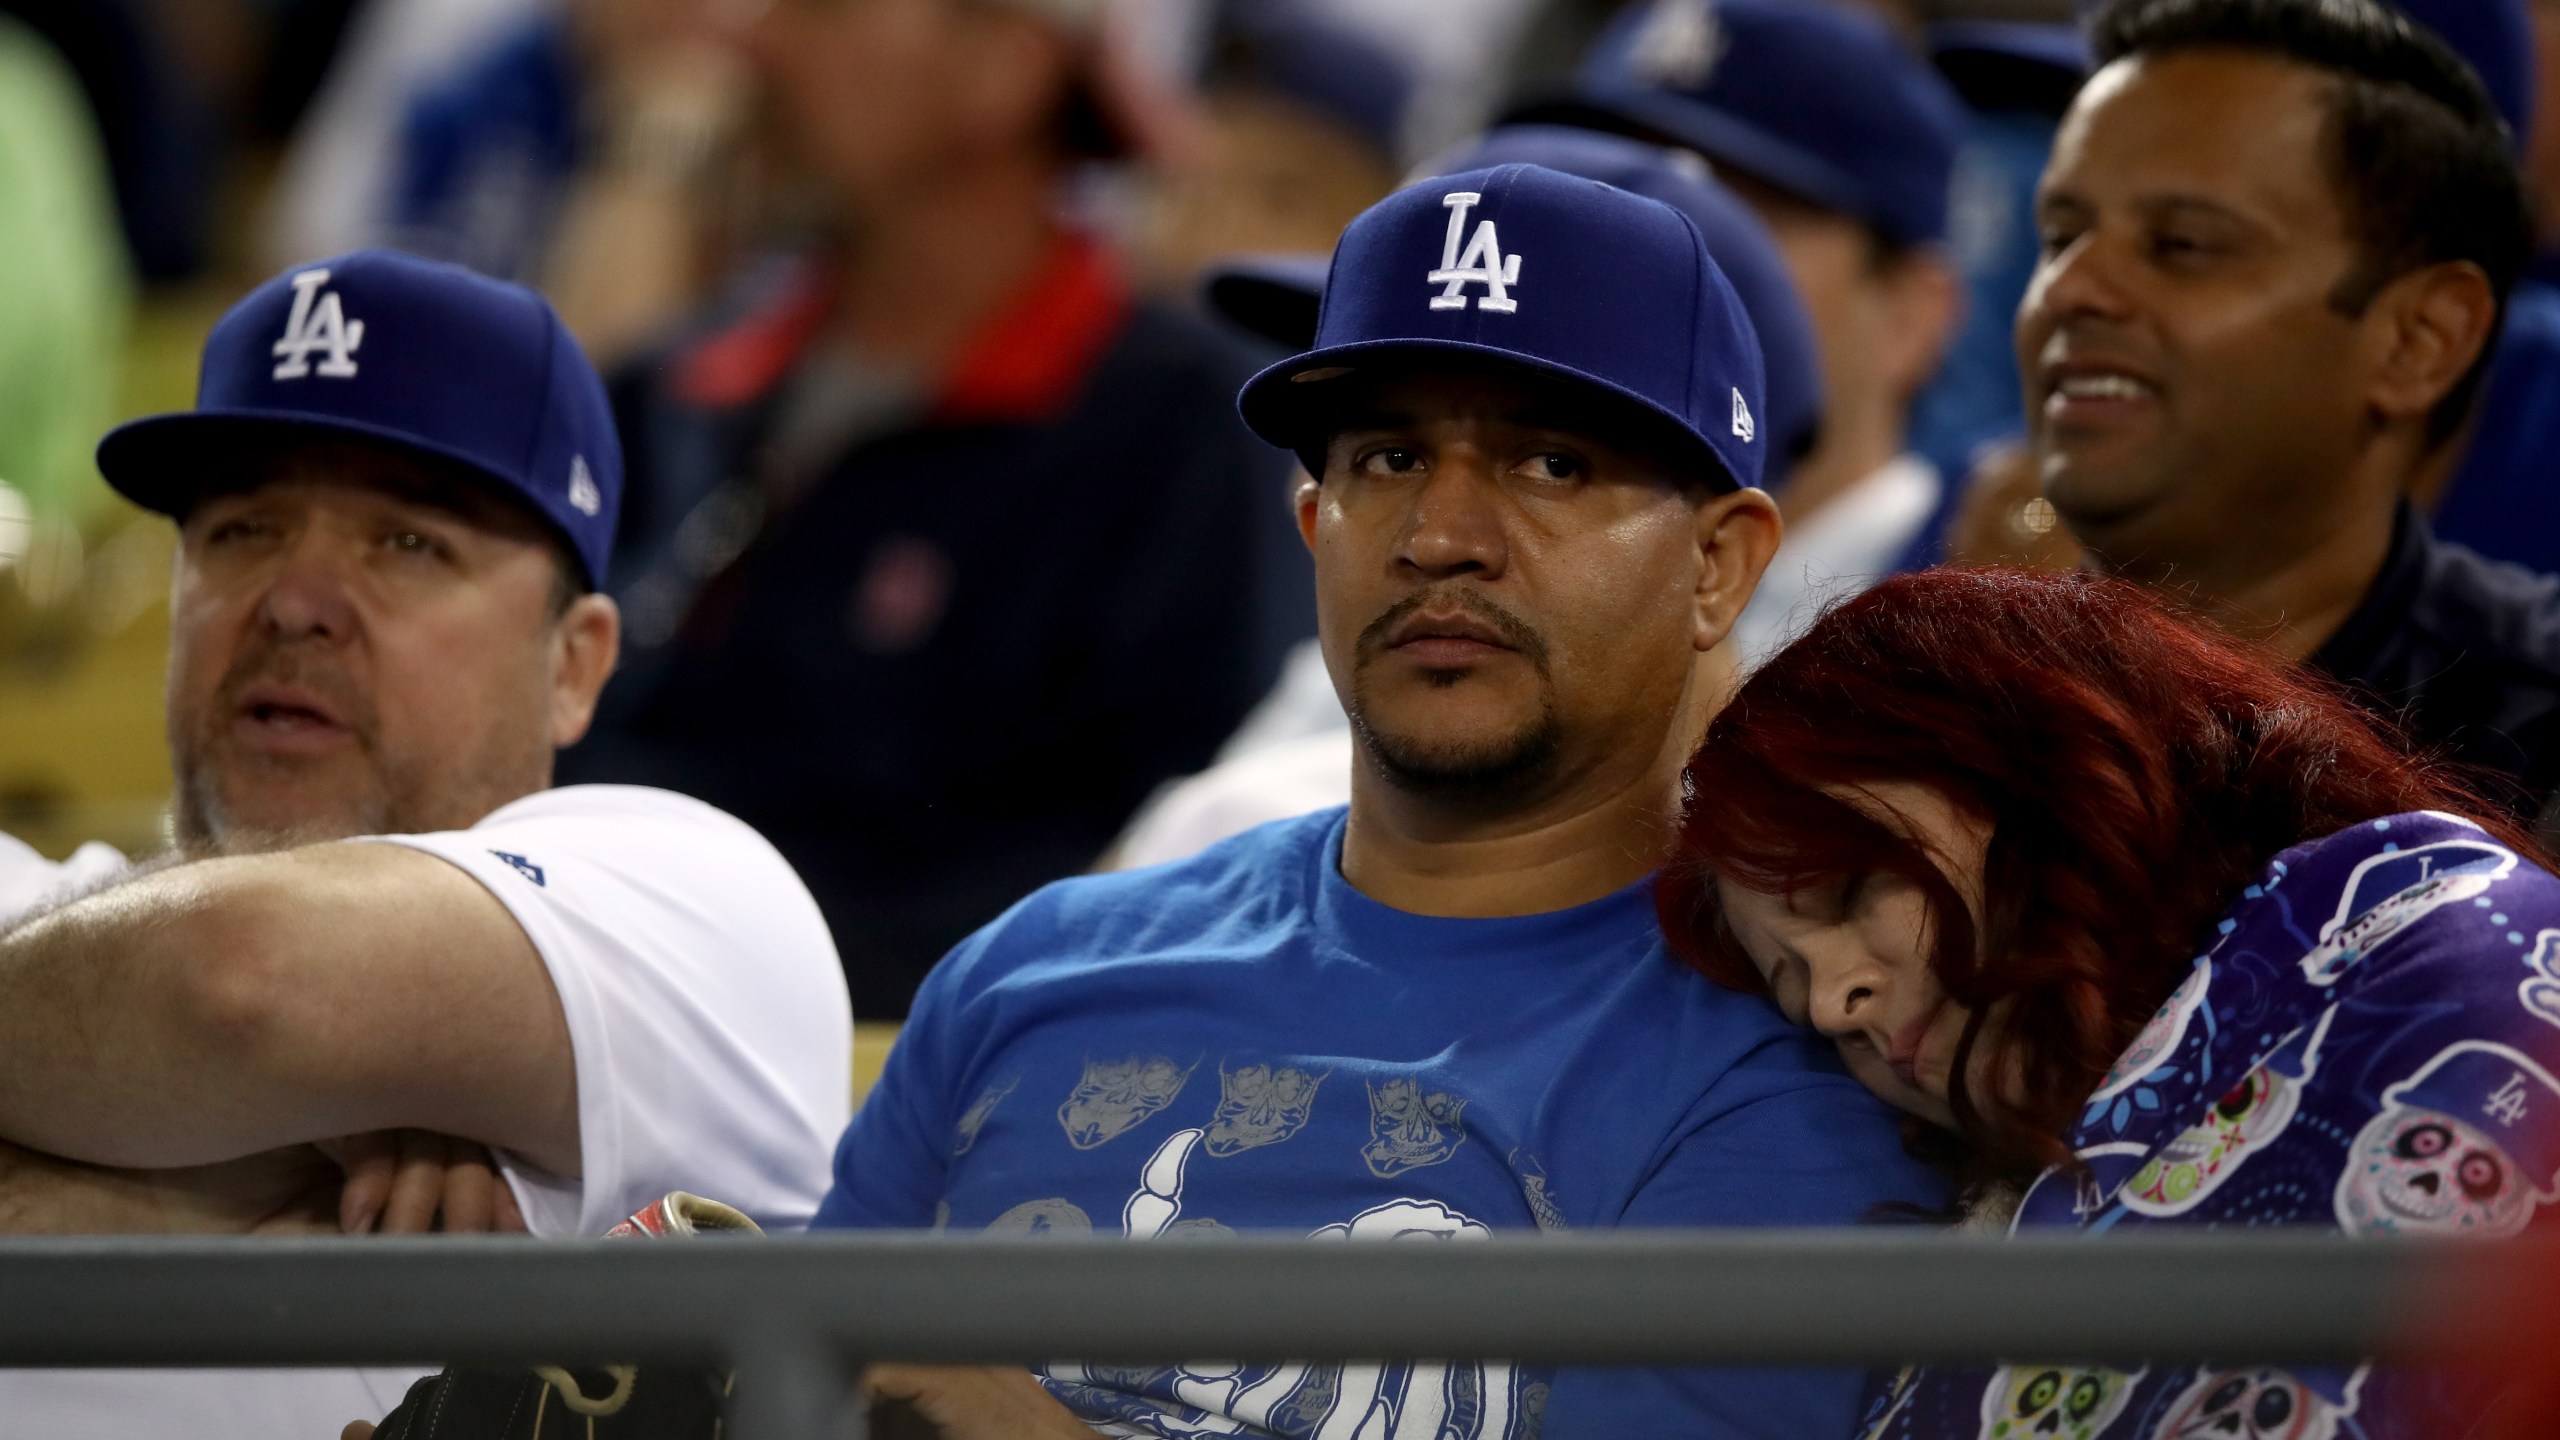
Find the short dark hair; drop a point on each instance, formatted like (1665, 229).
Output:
(2416, 146)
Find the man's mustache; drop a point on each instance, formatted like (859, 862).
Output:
(1515, 631)
(283, 665)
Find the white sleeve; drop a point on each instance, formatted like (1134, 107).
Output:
(706, 1006)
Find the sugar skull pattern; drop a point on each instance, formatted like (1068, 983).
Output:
(2161, 1035)
(2388, 893)
(2371, 1043)
(2463, 1147)
(2248, 1117)
(2253, 1405)
(2053, 1402)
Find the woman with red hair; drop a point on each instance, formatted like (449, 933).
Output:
(2140, 928)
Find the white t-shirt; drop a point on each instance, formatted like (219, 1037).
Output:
(1836, 552)
(29, 882)
(714, 1051)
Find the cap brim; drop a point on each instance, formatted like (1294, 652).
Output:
(160, 462)
(1277, 297)
(1292, 404)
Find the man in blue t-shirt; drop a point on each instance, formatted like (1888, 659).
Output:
(1532, 412)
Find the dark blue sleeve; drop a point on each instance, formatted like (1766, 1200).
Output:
(1814, 1150)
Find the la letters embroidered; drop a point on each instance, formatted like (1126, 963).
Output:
(1480, 263)
(318, 322)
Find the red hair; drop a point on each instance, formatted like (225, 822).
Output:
(2136, 769)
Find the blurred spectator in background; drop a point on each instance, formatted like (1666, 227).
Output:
(65, 292)
(941, 548)
(1305, 129)
(1843, 139)
(159, 135)
(2497, 490)
(592, 151)
(2238, 355)
(2016, 79)
(1294, 754)
(333, 192)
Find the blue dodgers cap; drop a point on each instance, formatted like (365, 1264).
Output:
(1549, 273)
(1817, 99)
(1790, 362)
(412, 353)
(1276, 295)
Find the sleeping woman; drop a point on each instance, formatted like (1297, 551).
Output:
(2141, 929)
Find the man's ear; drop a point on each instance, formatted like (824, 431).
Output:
(586, 642)
(2432, 324)
(1737, 535)
(1309, 491)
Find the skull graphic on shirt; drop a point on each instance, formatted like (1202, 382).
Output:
(2251, 1405)
(2053, 1402)
(2423, 1172)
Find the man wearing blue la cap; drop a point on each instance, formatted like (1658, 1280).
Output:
(531, 1008)
(1532, 419)
(1293, 754)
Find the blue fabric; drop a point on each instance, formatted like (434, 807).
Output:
(1242, 1041)
(2504, 500)
(383, 346)
(1823, 100)
(1741, 244)
(485, 155)
(2368, 1046)
(1529, 267)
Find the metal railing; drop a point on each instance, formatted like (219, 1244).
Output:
(796, 1315)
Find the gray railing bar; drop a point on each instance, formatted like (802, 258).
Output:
(1739, 1297)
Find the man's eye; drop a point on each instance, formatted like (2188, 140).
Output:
(412, 542)
(229, 531)
(2052, 240)
(1391, 460)
(1554, 465)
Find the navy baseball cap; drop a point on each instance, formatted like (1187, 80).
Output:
(417, 354)
(1790, 362)
(1821, 100)
(1548, 273)
(1275, 295)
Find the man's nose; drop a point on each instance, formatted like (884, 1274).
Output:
(309, 591)
(2081, 280)
(1455, 524)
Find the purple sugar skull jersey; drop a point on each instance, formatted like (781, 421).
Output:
(2368, 1045)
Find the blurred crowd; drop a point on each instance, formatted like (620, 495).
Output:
(875, 282)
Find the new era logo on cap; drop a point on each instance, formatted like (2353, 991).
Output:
(1627, 302)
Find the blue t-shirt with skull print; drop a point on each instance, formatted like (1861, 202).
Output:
(2368, 1045)
(1242, 1041)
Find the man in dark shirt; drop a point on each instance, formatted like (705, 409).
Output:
(941, 550)
(2237, 356)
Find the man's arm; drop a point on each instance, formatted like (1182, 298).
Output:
(216, 1010)
(280, 1192)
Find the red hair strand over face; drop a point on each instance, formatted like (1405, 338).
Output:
(2135, 768)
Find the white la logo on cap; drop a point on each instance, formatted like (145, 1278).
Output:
(1742, 425)
(318, 322)
(1483, 262)
(583, 494)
